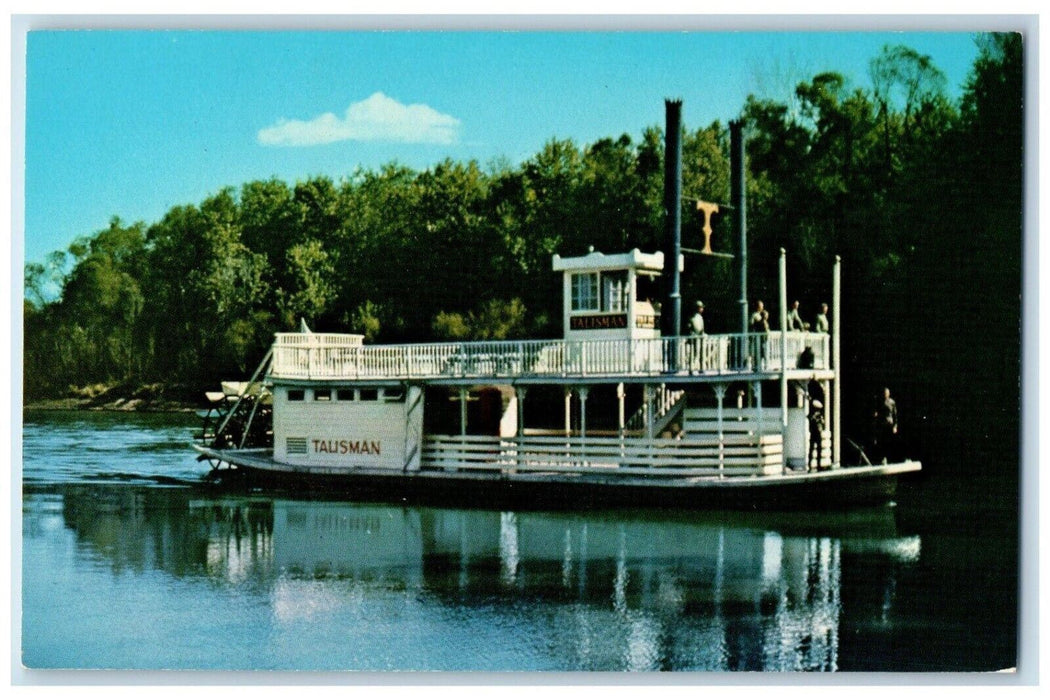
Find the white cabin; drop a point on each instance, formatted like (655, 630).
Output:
(378, 427)
(611, 297)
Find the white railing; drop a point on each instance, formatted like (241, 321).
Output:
(734, 455)
(320, 339)
(329, 356)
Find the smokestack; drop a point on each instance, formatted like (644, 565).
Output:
(671, 314)
(739, 204)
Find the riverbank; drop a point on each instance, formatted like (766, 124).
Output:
(156, 397)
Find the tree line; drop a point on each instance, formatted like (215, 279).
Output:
(920, 194)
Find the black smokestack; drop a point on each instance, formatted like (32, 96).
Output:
(671, 314)
(739, 204)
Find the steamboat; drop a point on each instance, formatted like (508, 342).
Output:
(622, 409)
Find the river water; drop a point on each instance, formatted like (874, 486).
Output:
(130, 560)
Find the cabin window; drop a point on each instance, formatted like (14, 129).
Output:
(322, 394)
(614, 291)
(344, 395)
(585, 292)
(393, 395)
(296, 394)
(369, 394)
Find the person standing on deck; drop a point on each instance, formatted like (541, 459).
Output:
(885, 426)
(821, 323)
(794, 319)
(760, 319)
(696, 323)
(816, 424)
(760, 329)
(696, 330)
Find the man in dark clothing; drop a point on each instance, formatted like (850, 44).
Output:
(885, 425)
(816, 423)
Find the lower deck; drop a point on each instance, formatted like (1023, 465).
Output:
(649, 430)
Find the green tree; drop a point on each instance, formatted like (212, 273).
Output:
(309, 284)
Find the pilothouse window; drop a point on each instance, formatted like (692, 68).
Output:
(585, 292)
(614, 291)
(646, 288)
(606, 291)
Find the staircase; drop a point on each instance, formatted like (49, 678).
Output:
(666, 405)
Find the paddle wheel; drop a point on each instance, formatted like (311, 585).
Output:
(238, 417)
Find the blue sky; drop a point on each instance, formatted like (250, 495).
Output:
(132, 123)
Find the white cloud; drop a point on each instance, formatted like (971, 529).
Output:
(378, 118)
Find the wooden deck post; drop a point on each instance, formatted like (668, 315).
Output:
(836, 348)
(825, 385)
(783, 358)
(621, 422)
(720, 394)
(582, 392)
(760, 431)
(647, 397)
(462, 410)
(568, 411)
(520, 392)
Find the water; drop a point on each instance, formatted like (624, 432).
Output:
(131, 561)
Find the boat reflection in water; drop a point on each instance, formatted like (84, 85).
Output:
(610, 590)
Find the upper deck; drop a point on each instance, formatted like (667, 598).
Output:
(336, 357)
